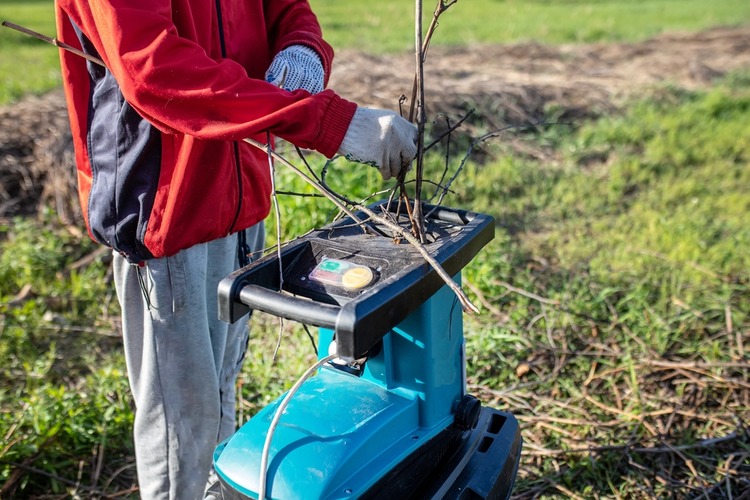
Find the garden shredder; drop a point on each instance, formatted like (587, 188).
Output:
(388, 416)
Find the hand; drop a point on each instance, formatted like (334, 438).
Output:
(297, 67)
(381, 139)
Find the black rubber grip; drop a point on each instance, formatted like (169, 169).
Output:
(286, 306)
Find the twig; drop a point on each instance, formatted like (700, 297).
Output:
(301, 156)
(82, 329)
(730, 330)
(90, 258)
(421, 46)
(466, 304)
(12, 429)
(299, 195)
(54, 41)
(311, 337)
(487, 136)
(448, 132)
(22, 296)
(94, 491)
(11, 481)
(486, 303)
(417, 219)
(631, 448)
(99, 463)
(530, 295)
(447, 166)
(566, 491)
(441, 7)
(122, 493)
(277, 211)
(692, 365)
(322, 189)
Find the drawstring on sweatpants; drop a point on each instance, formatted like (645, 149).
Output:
(243, 255)
(144, 289)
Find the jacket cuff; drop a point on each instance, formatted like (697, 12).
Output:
(334, 125)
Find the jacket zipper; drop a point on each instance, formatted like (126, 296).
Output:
(235, 146)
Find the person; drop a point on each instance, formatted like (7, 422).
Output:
(166, 180)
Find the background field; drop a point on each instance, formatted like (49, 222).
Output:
(615, 297)
(388, 26)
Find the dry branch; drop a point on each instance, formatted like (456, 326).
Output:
(421, 45)
(53, 41)
(634, 448)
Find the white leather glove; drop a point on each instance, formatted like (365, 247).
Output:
(381, 139)
(297, 67)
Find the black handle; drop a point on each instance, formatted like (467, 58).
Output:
(286, 306)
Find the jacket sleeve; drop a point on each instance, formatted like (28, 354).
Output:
(292, 22)
(172, 82)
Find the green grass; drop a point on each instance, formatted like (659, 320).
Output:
(388, 26)
(27, 65)
(64, 399)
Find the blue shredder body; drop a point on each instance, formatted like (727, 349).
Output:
(390, 418)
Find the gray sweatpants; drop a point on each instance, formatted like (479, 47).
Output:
(182, 363)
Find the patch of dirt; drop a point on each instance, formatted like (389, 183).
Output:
(509, 84)
(517, 83)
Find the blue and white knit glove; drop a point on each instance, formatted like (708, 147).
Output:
(297, 67)
(381, 139)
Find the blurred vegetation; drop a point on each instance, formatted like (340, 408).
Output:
(27, 65)
(388, 26)
(31, 66)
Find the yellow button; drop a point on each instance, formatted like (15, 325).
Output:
(357, 278)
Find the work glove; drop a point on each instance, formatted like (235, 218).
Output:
(381, 139)
(297, 67)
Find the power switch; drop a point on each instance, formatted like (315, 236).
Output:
(342, 274)
(357, 278)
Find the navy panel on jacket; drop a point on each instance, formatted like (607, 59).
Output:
(125, 155)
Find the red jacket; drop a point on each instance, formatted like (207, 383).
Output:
(161, 165)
